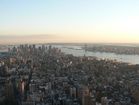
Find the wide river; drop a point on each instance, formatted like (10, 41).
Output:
(78, 51)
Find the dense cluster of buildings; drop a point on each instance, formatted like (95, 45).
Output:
(118, 49)
(43, 75)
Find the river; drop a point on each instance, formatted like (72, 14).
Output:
(78, 51)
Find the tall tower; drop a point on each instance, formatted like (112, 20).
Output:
(9, 93)
(86, 99)
(85, 49)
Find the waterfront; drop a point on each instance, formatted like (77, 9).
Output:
(77, 51)
(44, 75)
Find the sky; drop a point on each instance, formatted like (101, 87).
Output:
(87, 21)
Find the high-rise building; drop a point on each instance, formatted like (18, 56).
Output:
(104, 101)
(86, 99)
(9, 93)
(73, 92)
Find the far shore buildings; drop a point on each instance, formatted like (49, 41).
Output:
(43, 75)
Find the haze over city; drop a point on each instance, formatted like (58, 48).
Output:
(69, 52)
(87, 21)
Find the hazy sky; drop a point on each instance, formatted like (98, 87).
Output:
(69, 21)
